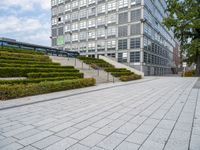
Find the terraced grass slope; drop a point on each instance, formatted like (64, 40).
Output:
(122, 73)
(40, 73)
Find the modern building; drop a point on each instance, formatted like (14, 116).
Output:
(129, 30)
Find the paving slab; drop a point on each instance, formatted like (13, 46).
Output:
(158, 113)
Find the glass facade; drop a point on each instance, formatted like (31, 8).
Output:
(129, 30)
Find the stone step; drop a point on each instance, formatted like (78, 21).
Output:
(100, 75)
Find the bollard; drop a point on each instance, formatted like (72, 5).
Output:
(108, 76)
(82, 65)
(75, 62)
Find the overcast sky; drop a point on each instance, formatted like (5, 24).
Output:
(26, 20)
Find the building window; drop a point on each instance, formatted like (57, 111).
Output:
(75, 4)
(101, 20)
(83, 36)
(111, 45)
(134, 56)
(67, 27)
(92, 11)
(135, 43)
(123, 18)
(135, 15)
(91, 34)
(101, 9)
(75, 26)
(83, 3)
(101, 46)
(91, 47)
(101, 32)
(75, 37)
(135, 29)
(68, 7)
(91, 1)
(135, 2)
(123, 3)
(111, 18)
(83, 13)
(111, 5)
(112, 31)
(91, 23)
(83, 24)
(122, 44)
(68, 17)
(75, 15)
(123, 31)
(68, 38)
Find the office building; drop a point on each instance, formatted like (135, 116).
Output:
(129, 30)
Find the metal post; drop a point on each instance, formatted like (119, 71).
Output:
(113, 79)
(75, 61)
(98, 71)
(108, 76)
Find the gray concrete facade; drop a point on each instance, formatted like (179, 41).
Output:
(129, 30)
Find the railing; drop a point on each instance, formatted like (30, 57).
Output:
(39, 48)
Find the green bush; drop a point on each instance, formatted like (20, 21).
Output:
(190, 73)
(26, 81)
(17, 50)
(25, 59)
(55, 74)
(116, 70)
(34, 66)
(119, 74)
(22, 55)
(22, 90)
(27, 62)
(22, 72)
(130, 78)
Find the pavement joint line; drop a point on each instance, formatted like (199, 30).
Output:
(177, 120)
(191, 132)
(90, 91)
(138, 115)
(148, 118)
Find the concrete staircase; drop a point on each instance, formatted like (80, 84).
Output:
(100, 75)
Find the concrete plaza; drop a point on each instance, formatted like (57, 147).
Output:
(156, 113)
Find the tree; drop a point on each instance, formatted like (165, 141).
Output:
(184, 20)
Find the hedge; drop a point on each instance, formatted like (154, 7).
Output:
(22, 55)
(116, 70)
(22, 72)
(55, 74)
(119, 74)
(26, 81)
(17, 50)
(190, 73)
(16, 91)
(27, 62)
(34, 65)
(25, 59)
(130, 78)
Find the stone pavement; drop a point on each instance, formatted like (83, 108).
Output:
(151, 114)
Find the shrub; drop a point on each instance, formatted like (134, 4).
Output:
(22, 72)
(130, 78)
(22, 55)
(27, 62)
(34, 66)
(119, 74)
(17, 50)
(26, 81)
(116, 70)
(25, 59)
(16, 91)
(55, 74)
